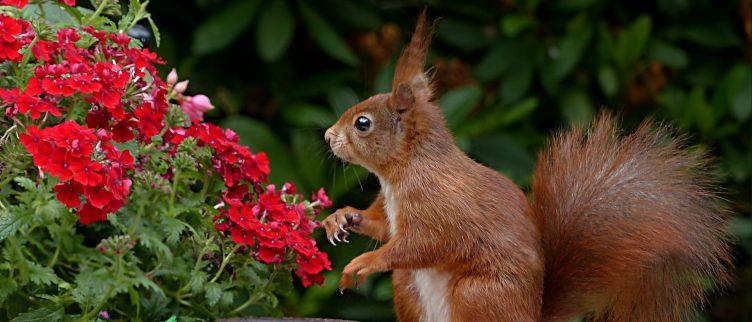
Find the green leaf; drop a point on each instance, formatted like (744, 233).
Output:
(499, 118)
(460, 34)
(26, 183)
(11, 221)
(608, 81)
(50, 313)
(576, 108)
(325, 36)
(275, 31)
(501, 56)
(155, 30)
(53, 13)
(261, 138)
(41, 275)
(360, 14)
(7, 287)
(172, 227)
(516, 83)
(513, 24)
(309, 150)
(668, 55)
(458, 102)
(568, 53)
(213, 293)
(505, 155)
(632, 41)
(224, 26)
(741, 102)
(341, 99)
(306, 115)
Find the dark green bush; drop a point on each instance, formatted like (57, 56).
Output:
(508, 72)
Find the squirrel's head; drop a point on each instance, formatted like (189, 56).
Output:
(383, 129)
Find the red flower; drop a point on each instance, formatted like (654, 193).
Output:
(98, 196)
(15, 3)
(87, 173)
(242, 236)
(68, 2)
(43, 50)
(322, 198)
(68, 193)
(89, 214)
(10, 30)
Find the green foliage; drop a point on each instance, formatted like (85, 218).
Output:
(508, 74)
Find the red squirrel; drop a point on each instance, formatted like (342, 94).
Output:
(618, 227)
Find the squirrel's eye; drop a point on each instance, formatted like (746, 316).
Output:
(362, 123)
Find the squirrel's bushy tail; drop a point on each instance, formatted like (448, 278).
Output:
(632, 226)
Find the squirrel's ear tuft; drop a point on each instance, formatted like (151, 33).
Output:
(402, 98)
(409, 68)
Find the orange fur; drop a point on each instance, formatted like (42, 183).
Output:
(620, 229)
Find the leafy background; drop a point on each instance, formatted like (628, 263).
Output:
(509, 72)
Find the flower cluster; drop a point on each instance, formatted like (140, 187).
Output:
(87, 164)
(23, 3)
(112, 87)
(270, 224)
(14, 34)
(273, 227)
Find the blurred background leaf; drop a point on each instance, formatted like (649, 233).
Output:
(508, 73)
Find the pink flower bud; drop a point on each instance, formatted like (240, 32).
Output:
(181, 87)
(195, 106)
(172, 77)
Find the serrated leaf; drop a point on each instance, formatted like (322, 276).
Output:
(153, 242)
(11, 221)
(172, 227)
(224, 26)
(325, 36)
(142, 281)
(213, 293)
(198, 280)
(155, 30)
(26, 183)
(44, 314)
(7, 287)
(91, 287)
(275, 30)
(41, 275)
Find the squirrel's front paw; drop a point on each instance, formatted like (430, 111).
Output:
(339, 223)
(360, 267)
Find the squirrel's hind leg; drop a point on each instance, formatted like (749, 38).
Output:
(492, 298)
(405, 298)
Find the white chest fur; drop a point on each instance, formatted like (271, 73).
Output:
(390, 207)
(430, 284)
(432, 291)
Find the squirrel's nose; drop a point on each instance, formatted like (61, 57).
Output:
(329, 135)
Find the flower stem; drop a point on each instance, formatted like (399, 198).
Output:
(224, 263)
(96, 14)
(255, 297)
